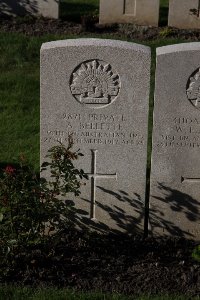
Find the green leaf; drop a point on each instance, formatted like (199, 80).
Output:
(196, 253)
(12, 242)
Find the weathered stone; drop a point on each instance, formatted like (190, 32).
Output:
(175, 174)
(184, 14)
(97, 90)
(45, 8)
(141, 12)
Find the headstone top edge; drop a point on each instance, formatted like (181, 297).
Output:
(195, 46)
(95, 42)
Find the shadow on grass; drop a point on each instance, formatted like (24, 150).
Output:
(75, 11)
(163, 18)
(178, 203)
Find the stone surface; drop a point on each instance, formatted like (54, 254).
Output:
(141, 12)
(97, 90)
(45, 8)
(184, 14)
(175, 174)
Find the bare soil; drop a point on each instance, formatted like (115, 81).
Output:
(109, 263)
(40, 26)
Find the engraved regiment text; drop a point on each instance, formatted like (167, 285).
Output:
(95, 129)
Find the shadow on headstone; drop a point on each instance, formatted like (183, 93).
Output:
(18, 8)
(185, 207)
(14, 8)
(126, 223)
(178, 202)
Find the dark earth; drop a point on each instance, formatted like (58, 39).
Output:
(120, 264)
(89, 25)
(116, 264)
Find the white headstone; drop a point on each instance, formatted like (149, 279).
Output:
(98, 91)
(141, 12)
(184, 14)
(45, 8)
(175, 174)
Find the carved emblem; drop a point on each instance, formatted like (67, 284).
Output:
(193, 89)
(94, 83)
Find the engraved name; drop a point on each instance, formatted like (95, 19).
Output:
(183, 132)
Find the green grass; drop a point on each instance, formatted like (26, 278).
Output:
(26, 293)
(19, 97)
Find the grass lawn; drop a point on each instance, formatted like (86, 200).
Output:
(25, 293)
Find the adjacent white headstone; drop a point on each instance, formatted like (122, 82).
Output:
(175, 174)
(141, 12)
(98, 91)
(184, 14)
(45, 8)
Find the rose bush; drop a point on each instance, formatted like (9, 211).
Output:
(31, 211)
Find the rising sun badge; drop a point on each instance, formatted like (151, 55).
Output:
(193, 89)
(95, 83)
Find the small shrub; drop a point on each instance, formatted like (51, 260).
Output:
(165, 32)
(31, 213)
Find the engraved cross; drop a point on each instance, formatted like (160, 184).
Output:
(94, 176)
(188, 179)
(198, 9)
(129, 7)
